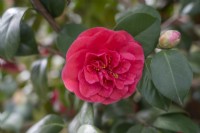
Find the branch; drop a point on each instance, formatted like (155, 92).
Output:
(40, 8)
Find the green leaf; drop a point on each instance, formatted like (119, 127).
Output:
(149, 91)
(67, 35)
(88, 129)
(143, 23)
(121, 126)
(85, 116)
(10, 31)
(174, 110)
(54, 7)
(11, 121)
(39, 77)
(28, 44)
(142, 129)
(190, 7)
(49, 124)
(177, 123)
(8, 85)
(171, 74)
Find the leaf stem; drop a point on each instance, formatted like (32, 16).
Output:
(41, 9)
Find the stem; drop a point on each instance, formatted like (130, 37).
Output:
(40, 8)
(169, 22)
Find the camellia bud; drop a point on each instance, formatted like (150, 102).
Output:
(169, 39)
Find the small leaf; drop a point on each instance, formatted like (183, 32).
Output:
(54, 7)
(143, 23)
(171, 75)
(149, 91)
(49, 124)
(10, 31)
(85, 116)
(67, 35)
(88, 129)
(142, 129)
(177, 123)
(28, 44)
(39, 77)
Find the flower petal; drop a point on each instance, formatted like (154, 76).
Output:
(119, 84)
(109, 101)
(97, 98)
(77, 45)
(91, 77)
(92, 32)
(85, 88)
(71, 70)
(105, 92)
(123, 67)
(118, 94)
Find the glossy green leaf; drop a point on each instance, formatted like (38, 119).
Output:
(28, 45)
(88, 129)
(12, 121)
(143, 23)
(54, 7)
(39, 77)
(174, 109)
(10, 31)
(171, 75)
(85, 116)
(142, 129)
(121, 126)
(177, 123)
(190, 7)
(149, 91)
(49, 124)
(67, 35)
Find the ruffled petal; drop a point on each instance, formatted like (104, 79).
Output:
(119, 84)
(123, 67)
(127, 56)
(134, 48)
(71, 70)
(118, 94)
(91, 77)
(92, 32)
(105, 92)
(114, 58)
(97, 98)
(78, 45)
(87, 89)
(109, 101)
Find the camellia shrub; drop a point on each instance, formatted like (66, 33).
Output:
(99, 66)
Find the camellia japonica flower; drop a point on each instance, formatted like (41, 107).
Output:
(103, 65)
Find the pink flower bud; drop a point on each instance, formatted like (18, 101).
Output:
(169, 39)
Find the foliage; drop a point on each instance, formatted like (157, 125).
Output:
(34, 38)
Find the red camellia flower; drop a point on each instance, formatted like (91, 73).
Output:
(103, 65)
